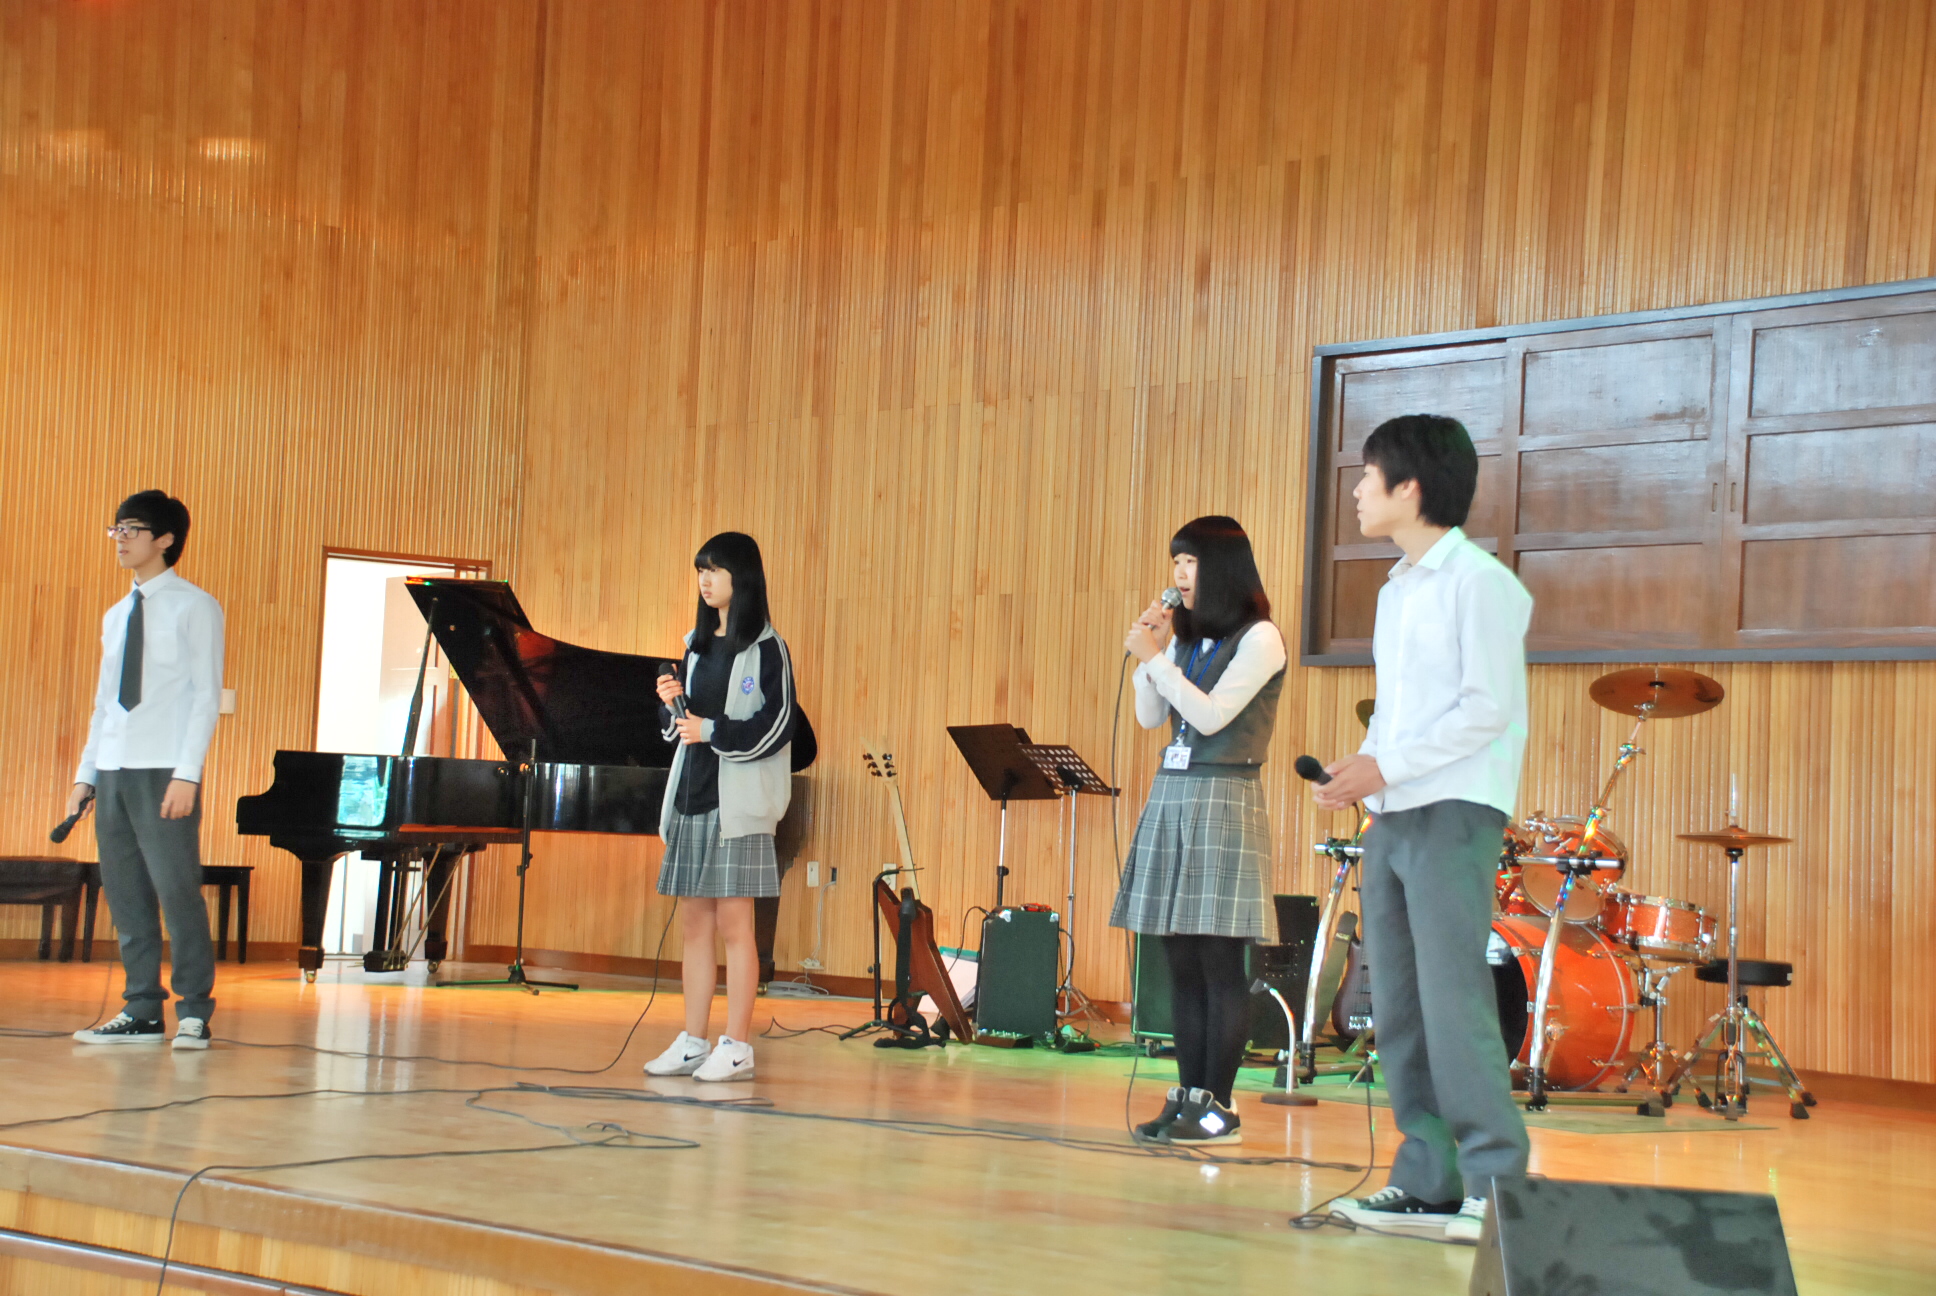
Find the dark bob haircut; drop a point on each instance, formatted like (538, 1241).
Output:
(738, 555)
(1436, 452)
(1230, 593)
(161, 512)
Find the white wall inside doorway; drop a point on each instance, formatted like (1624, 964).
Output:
(373, 639)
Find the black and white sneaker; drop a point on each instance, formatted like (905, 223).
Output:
(1204, 1121)
(122, 1030)
(191, 1033)
(1395, 1208)
(1155, 1131)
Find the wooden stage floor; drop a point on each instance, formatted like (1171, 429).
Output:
(844, 1168)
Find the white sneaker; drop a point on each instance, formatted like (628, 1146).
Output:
(191, 1033)
(1468, 1223)
(682, 1057)
(730, 1059)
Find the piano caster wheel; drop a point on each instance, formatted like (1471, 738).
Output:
(309, 976)
(434, 965)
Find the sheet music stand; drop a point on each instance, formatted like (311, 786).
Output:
(1071, 774)
(998, 756)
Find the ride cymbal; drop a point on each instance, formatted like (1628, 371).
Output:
(1732, 837)
(1673, 692)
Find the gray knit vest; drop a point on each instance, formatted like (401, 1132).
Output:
(1245, 741)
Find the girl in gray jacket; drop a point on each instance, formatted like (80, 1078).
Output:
(734, 717)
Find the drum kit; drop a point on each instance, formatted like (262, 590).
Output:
(1575, 958)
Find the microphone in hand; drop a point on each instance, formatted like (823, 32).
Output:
(1310, 771)
(678, 704)
(1171, 598)
(66, 826)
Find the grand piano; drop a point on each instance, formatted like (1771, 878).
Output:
(598, 766)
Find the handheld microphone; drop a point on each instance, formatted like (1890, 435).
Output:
(1171, 598)
(1310, 771)
(66, 825)
(678, 704)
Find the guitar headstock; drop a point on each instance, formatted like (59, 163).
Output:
(879, 763)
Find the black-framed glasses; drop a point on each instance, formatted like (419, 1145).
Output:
(126, 530)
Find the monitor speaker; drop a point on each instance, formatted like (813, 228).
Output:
(1015, 986)
(1284, 966)
(1556, 1235)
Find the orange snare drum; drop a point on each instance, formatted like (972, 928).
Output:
(1539, 840)
(1657, 928)
(1592, 1004)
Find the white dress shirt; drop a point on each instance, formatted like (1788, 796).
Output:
(1162, 686)
(1450, 650)
(181, 683)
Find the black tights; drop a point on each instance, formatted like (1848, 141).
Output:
(1210, 1009)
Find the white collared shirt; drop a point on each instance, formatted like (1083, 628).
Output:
(1450, 651)
(181, 683)
(1161, 684)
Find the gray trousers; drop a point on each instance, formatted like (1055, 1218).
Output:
(152, 868)
(1428, 891)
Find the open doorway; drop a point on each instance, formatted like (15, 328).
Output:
(373, 647)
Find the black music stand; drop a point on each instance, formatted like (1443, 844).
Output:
(998, 755)
(1068, 771)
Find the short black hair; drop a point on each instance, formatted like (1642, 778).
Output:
(1230, 593)
(1435, 451)
(162, 512)
(738, 555)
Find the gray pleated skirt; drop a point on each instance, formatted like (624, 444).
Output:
(698, 863)
(1197, 863)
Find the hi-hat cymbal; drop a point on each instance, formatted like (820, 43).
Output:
(1364, 710)
(1733, 838)
(1673, 692)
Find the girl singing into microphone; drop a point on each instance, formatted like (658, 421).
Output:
(1212, 670)
(728, 788)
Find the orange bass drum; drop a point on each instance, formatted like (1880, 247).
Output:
(1594, 998)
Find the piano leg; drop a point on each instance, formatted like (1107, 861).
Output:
(437, 886)
(316, 876)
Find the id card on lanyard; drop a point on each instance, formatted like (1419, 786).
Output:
(1177, 755)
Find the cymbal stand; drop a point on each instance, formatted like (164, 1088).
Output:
(1734, 1024)
(1572, 871)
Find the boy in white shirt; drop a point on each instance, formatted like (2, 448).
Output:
(1440, 771)
(154, 712)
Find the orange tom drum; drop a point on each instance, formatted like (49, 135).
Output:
(1592, 1007)
(1540, 839)
(1658, 929)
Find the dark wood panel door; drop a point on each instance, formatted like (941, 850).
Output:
(1750, 480)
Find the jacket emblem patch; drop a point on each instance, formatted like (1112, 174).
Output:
(746, 685)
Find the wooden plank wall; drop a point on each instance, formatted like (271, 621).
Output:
(962, 307)
(273, 258)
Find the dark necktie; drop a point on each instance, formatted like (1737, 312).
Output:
(131, 658)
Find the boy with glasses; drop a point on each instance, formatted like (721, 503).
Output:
(154, 712)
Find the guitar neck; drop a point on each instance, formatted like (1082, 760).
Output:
(907, 848)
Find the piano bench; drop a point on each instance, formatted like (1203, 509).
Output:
(227, 878)
(50, 883)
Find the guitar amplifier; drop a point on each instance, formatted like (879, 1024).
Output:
(1015, 992)
(1285, 966)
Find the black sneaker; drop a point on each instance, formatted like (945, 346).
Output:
(1396, 1208)
(1204, 1121)
(123, 1030)
(1154, 1131)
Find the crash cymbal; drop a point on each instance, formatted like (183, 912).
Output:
(1364, 709)
(1732, 837)
(1673, 692)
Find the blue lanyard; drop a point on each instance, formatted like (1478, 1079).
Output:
(1190, 672)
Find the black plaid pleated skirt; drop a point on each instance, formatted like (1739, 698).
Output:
(1196, 865)
(698, 863)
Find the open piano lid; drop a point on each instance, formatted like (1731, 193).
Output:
(584, 706)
